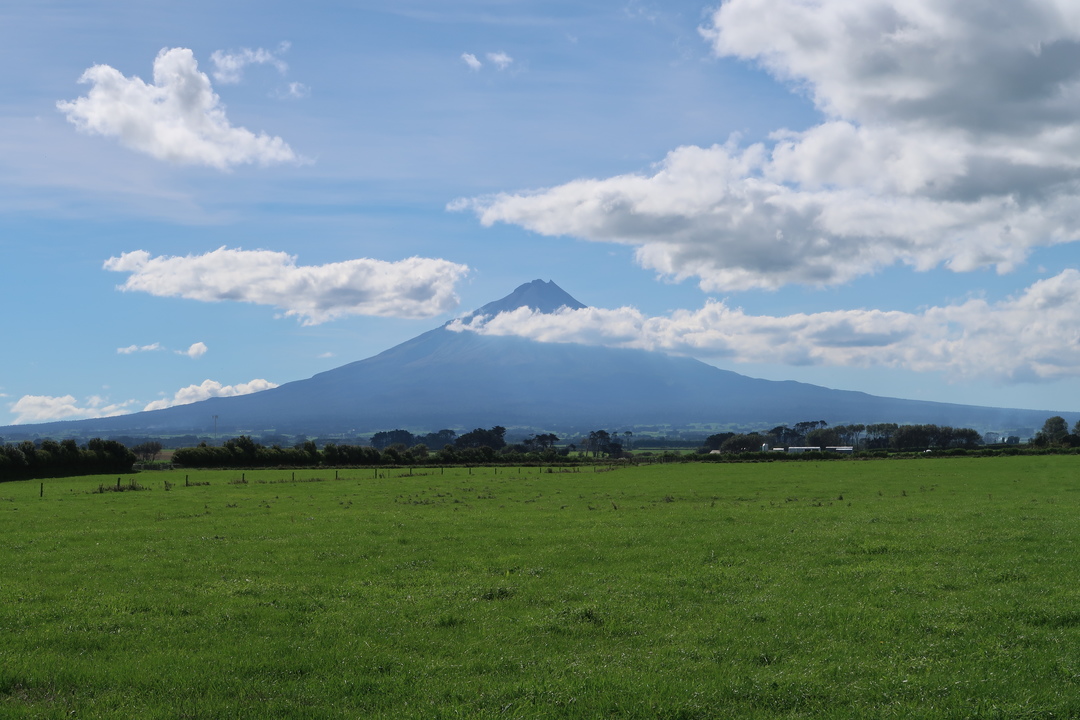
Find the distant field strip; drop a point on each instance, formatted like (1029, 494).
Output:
(944, 588)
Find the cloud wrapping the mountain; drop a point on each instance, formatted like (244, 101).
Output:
(45, 408)
(951, 137)
(177, 119)
(1034, 336)
(411, 288)
(210, 389)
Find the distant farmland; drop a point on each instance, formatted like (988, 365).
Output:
(901, 588)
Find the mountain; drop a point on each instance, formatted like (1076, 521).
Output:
(461, 380)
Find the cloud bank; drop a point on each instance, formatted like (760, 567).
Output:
(177, 119)
(951, 137)
(411, 288)
(45, 408)
(1033, 336)
(210, 389)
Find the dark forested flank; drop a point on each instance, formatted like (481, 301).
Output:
(26, 460)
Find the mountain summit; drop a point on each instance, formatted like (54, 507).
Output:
(461, 380)
(545, 297)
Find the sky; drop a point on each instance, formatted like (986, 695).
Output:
(208, 199)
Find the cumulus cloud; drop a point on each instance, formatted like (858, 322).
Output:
(229, 66)
(411, 288)
(210, 389)
(1033, 336)
(197, 350)
(951, 137)
(138, 348)
(45, 408)
(178, 118)
(471, 60)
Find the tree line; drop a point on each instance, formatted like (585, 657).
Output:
(49, 458)
(28, 461)
(878, 436)
(392, 447)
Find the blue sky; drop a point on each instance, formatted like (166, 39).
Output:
(863, 194)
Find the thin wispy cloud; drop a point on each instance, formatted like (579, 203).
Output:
(500, 59)
(411, 288)
(295, 91)
(178, 118)
(472, 61)
(131, 349)
(196, 350)
(229, 65)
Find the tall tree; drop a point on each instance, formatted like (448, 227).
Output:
(1054, 429)
(493, 438)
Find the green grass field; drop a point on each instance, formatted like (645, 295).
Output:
(917, 588)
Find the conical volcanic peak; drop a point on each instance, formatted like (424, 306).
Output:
(445, 379)
(546, 297)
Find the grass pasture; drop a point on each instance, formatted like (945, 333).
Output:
(945, 588)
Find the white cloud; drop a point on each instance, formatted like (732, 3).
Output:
(229, 66)
(210, 389)
(411, 288)
(197, 350)
(1034, 336)
(138, 348)
(471, 61)
(178, 118)
(951, 138)
(45, 408)
(295, 91)
(501, 59)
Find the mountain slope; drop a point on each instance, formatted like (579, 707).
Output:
(452, 379)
